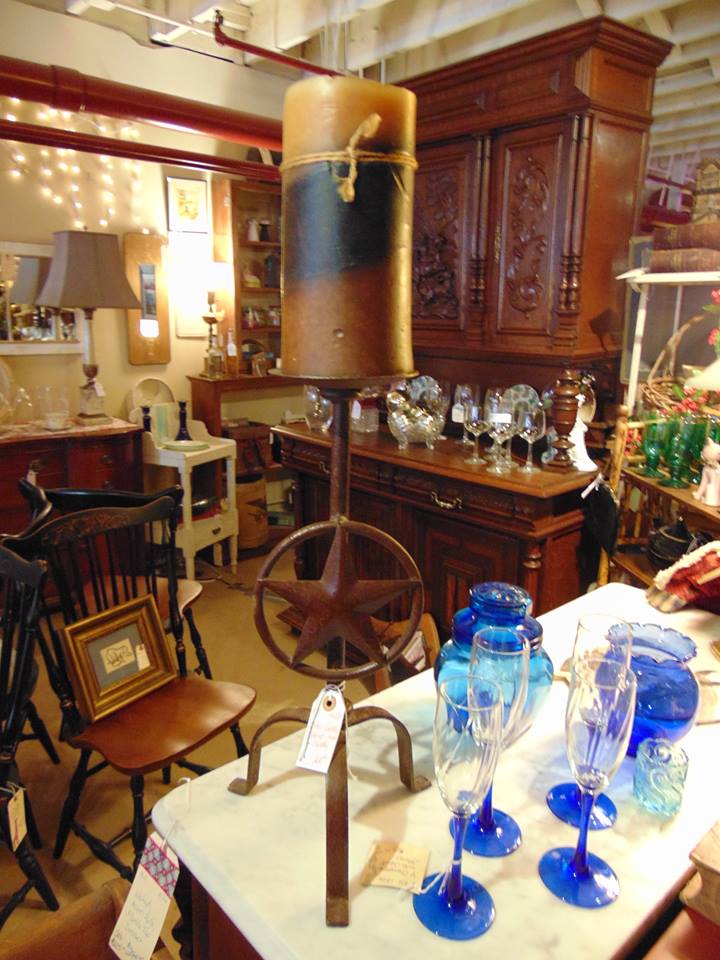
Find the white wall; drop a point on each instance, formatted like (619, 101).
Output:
(25, 216)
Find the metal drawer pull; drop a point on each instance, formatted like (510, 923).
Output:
(454, 504)
(324, 468)
(216, 531)
(107, 458)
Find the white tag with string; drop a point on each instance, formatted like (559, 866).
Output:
(327, 716)
(141, 919)
(457, 414)
(16, 817)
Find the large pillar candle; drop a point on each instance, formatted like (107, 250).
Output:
(348, 174)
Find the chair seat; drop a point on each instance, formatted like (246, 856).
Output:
(159, 729)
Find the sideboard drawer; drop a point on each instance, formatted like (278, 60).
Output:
(105, 464)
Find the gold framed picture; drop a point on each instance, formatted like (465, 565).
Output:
(117, 656)
(187, 205)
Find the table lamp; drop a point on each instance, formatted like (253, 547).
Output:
(30, 279)
(87, 271)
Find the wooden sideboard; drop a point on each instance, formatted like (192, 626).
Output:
(460, 524)
(108, 457)
(531, 162)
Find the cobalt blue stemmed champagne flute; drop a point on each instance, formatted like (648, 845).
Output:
(466, 741)
(598, 722)
(502, 655)
(598, 635)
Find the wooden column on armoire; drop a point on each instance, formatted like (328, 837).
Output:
(531, 160)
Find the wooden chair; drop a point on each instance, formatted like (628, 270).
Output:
(20, 585)
(81, 930)
(420, 653)
(70, 500)
(99, 559)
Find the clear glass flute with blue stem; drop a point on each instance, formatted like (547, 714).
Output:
(502, 655)
(466, 742)
(598, 723)
(605, 636)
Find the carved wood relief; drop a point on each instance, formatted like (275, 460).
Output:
(528, 241)
(436, 246)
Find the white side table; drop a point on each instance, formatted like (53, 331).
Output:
(194, 534)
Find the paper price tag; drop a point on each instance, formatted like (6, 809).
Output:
(458, 413)
(400, 865)
(327, 716)
(143, 661)
(16, 818)
(99, 389)
(143, 914)
(500, 418)
(355, 410)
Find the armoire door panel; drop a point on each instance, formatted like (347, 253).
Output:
(444, 235)
(530, 170)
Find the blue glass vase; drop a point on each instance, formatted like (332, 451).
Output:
(668, 694)
(495, 604)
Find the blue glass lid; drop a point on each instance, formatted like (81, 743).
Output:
(661, 643)
(503, 595)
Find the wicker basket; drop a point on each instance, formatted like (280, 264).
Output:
(659, 389)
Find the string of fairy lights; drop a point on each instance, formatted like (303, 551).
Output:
(95, 189)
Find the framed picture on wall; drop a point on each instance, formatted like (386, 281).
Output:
(187, 205)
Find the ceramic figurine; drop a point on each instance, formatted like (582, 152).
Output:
(709, 490)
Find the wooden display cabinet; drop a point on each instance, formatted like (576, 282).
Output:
(254, 311)
(531, 159)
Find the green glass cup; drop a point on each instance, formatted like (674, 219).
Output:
(678, 455)
(697, 442)
(653, 442)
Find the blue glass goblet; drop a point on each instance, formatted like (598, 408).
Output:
(502, 655)
(598, 721)
(466, 741)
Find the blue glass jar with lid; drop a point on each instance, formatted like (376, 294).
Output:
(499, 604)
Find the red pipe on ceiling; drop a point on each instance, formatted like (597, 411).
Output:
(89, 143)
(67, 89)
(224, 40)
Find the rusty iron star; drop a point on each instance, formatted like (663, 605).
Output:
(339, 604)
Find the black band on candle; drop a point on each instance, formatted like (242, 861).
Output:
(324, 235)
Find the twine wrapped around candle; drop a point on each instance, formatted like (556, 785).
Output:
(351, 155)
(348, 172)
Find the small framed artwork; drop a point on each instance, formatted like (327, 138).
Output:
(187, 205)
(117, 656)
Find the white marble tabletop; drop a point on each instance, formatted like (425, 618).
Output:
(262, 857)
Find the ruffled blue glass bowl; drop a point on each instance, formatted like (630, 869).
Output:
(667, 691)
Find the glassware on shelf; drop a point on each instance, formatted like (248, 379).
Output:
(677, 454)
(654, 437)
(416, 411)
(466, 741)
(364, 413)
(502, 655)
(530, 423)
(464, 393)
(474, 423)
(318, 409)
(499, 604)
(605, 636)
(598, 720)
(499, 418)
(23, 409)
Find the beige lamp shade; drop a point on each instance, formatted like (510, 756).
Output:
(31, 276)
(707, 379)
(87, 271)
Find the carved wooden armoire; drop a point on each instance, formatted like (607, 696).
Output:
(531, 163)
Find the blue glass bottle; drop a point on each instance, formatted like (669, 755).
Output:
(499, 604)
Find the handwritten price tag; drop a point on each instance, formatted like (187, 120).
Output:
(327, 716)
(16, 818)
(143, 914)
(400, 865)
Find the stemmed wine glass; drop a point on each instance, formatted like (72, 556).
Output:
(598, 722)
(474, 423)
(531, 427)
(501, 655)
(466, 741)
(598, 636)
(463, 394)
(499, 417)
